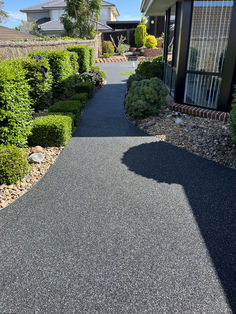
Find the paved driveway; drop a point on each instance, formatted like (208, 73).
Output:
(121, 223)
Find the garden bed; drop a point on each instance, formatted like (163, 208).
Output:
(207, 138)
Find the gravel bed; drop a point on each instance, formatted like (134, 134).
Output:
(9, 193)
(207, 138)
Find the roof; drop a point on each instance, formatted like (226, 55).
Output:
(57, 26)
(56, 4)
(123, 24)
(12, 34)
(155, 7)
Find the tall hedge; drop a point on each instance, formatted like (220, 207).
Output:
(84, 57)
(140, 35)
(233, 118)
(74, 58)
(15, 104)
(92, 57)
(61, 67)
(40, 87)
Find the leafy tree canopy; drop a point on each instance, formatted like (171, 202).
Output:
(3, 14)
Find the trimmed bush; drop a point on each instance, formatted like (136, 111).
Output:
(150, 69)
(151, 42)
(83, 57)
(62, 71)
(74, 61)
(40, 87)
(108, 49)
(85, 87)
(145, 98)
(140, 35)
(15, 104)
(233, 118)
(73, 106)
(13, 164)
(122, 49)
(91, 57)
(51, 130)
(134, 78)
(83, 97)
(158, 59)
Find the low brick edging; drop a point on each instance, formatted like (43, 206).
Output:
(197, 111)
(108, 60)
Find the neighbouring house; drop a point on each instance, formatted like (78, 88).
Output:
(47, 16)
(199, 50)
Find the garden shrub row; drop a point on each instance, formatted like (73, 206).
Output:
(73, 106)
(84, 59)
(149, 69)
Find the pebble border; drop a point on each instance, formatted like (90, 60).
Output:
(197, 111)
(109, 60)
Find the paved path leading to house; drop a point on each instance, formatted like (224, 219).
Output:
(121, 223)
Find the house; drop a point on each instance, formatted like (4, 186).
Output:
(47, 16)
(199, 50)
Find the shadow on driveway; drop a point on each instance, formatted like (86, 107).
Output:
(211, 192)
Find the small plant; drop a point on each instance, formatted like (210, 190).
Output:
(145, 98)
(140, 35)
(13, 164)
(151, 69)
(51, 130)
(73, 106)
(134, 78)
(151, 42)
(233, 118)
(96, 68)
(122, 49)
(94, 77)
(108, 49)
(85, 87)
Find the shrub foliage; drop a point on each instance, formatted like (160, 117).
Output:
(145, 98)
(140, 35)
(13, 164)
(85, 87)
(73, 106)
(108, 49)
(83, 57)
(134, 78)
(151, 41)
(149, 69)
(52, 130)
(15, 104)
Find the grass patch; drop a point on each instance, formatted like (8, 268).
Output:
(127, 73)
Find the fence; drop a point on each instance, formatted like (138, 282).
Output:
(14, 49)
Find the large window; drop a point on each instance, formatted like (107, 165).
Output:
(207, 48)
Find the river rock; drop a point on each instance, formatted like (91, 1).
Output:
(36, 157)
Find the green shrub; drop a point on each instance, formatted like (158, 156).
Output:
(145, 98)
(151, 41)
(84, 57)
(123, 48)
(85, 87)
(108, 48)
(15, 104)
(150, 69)
(107, 55)
(140, 35)
(134, 78)
(233, 118)
(91, 57)
(157, 59)
(73, 106)
(74, 61)
(40, 87)
(62, 71)
(83, 97)
(13, 164)
(51, 130)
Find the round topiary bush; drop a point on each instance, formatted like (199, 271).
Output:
(13, 164)
(140, 35)
(145, 98)
(151, 41)
(108, 48)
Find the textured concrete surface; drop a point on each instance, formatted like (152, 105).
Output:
(121, 224)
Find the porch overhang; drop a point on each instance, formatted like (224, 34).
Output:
(156, 7)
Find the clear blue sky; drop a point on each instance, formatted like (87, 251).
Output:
(129, 10)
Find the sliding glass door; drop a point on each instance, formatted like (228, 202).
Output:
(208, 43)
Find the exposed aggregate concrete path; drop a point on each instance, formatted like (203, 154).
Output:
(121, 223)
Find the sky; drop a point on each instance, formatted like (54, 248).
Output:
(129, 10)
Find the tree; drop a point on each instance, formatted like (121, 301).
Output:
(29, 28)
(78, 16)
(3, 14)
